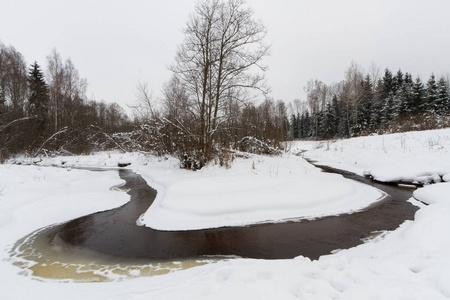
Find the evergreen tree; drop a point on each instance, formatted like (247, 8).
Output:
(377, 106)
(295, 129)
(306, 128)
(301, 126)
(329, 122)
(443, 98)
(397, 81)
(432, 95)
(344, 125)
(387, 111)
(366, 103)
(408, 78)
(405, 95)
(336, 114)
(388, 98)
(418, 94)
(396, 107)
(321, 124)
(38, 100)
(387, 83)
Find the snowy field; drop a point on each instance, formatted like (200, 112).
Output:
(413, 262)
(422, 156)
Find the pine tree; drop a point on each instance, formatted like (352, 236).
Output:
(387, 97)
(408, 78)
(366, 103)
(397, 81)
(344, 124)
(396, 107)
(295, 129)
(387, 83)
(329, 122)
(306, 128)
(418, 94)
(443, 98)
(377, 106)
(432, 95)
(38, 100)
(336, 114)
(321, 120)
(301, 126)
(388, 109)
(405, 96)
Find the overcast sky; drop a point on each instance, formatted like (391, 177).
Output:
(116, 44)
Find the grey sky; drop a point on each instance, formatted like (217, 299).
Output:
(115, 44)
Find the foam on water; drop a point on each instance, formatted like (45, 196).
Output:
(42, 254)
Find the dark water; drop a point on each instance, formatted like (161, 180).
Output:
(116, 234)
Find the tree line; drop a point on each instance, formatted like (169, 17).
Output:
(49, 110)
(362, 104)
(207, 109)
(206, 106)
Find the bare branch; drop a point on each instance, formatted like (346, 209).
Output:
(49, 139)
(18, 120)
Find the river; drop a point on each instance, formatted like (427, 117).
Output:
(112, 236)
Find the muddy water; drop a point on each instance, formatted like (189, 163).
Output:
(44, 255)
(111, 239)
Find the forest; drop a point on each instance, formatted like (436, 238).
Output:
(44, 112)
(363, 104)
(215, 104)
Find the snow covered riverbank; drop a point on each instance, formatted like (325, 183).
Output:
(420, 156)
(413, 262)
(254, 190)
(257, 189)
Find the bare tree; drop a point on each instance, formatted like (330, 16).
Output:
(374, 73)
(318, 95)
(176, 101)
(74, 93)
(67, 90)
(219, 59)
(55, 75)
(13, 99)
(298, 107)
(13, 81)
(143, 108)
(354, 92)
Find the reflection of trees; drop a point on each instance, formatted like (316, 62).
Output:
(77, 231)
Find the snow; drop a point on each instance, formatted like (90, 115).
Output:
(58, 194)
(438, 193)
(422, 156)
(254, 190)
(412, 262)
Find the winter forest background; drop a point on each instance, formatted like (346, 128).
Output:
(47, 111)
(215, 103)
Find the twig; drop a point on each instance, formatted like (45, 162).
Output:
(51, 137)
(17, 120)
(109, 137)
